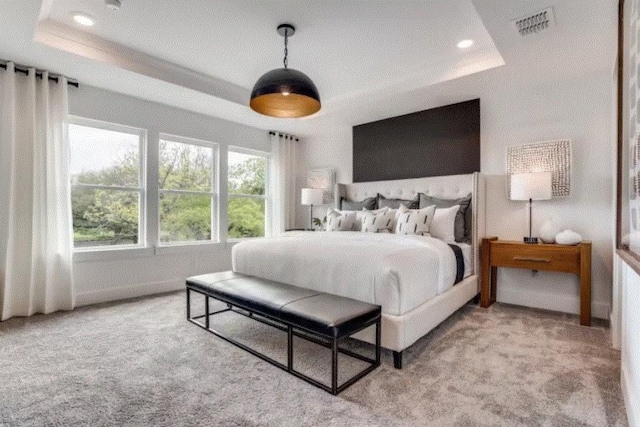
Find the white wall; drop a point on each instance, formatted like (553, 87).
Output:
(630, 293)
(124, 274)
(514, 111)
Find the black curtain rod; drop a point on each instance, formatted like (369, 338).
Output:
(39, 74)
(293, 138)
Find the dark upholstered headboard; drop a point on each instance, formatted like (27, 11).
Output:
(436, 142)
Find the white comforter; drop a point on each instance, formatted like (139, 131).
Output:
(397, 272)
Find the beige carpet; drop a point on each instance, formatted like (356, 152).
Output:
(141, 363)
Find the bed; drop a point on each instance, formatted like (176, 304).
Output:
(411, 277)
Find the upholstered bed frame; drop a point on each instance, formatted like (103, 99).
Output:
(400, 332)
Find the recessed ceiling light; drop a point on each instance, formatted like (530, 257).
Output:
(83, 19)
(463, 44)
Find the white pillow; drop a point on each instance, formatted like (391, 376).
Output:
(396, 215)
(443, 225)
(377, 221)
(342, 220)
(371, 211)
(358, 216)
(415, 221)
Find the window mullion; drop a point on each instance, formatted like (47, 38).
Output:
(106, 187)
(152, 176)
(187, 192)
(249, 196)
(215, 202)
(223, 185)
(268, 209)
(142, 179)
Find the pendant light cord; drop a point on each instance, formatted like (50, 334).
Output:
(286, 49)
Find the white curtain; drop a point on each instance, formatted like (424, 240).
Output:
(36, 237)
(282, 182)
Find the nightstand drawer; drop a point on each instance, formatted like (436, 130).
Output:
(536, 257)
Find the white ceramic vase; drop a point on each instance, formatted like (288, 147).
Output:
(548, 231)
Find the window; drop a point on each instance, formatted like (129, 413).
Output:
(247, 189)
(110, 204)
(107, 184)
(187, 187)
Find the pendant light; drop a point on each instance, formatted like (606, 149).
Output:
(285, 92)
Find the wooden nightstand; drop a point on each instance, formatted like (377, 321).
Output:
(496, 253)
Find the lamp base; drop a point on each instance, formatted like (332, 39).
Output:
(532, 240)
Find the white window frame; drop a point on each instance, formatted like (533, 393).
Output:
(214, 193)
(267, 190)
(142, 180)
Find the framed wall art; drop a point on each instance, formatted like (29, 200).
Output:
(547, 156)
(325, 179)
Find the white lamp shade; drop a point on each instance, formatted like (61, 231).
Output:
(534, 186)
(311, 196)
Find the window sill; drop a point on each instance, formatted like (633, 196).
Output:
(186, 248)
(117, 254)
(111, 254)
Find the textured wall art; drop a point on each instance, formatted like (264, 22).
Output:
(547, 156)
(325, 179)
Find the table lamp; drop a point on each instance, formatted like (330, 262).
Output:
(531, 186)
(310, 197)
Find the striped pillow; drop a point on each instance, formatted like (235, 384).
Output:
(415, 221)
(377, 221)
(342, 220)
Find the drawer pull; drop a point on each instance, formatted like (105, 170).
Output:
(524, 258)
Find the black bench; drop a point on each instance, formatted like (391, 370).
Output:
(318, 317)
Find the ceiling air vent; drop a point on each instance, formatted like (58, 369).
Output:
(535, 22)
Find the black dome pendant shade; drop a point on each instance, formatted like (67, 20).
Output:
(285, 92)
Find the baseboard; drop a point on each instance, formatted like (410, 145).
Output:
(126, 292)
(631, 398)
(554, 302)
(614, 331)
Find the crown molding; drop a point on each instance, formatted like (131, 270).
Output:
(96, 48)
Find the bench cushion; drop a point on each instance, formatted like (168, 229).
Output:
(329, 314)
(323, 313)
(263, 296)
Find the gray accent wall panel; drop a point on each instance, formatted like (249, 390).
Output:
(435, 142)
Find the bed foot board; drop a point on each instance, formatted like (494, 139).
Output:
(397, 359)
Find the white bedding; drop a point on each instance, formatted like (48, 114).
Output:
(397, 272)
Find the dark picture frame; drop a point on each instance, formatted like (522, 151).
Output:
(625, 188)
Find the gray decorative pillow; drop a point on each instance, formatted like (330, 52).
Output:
(377, 221)
(412, 221)
(368, 203)
(462, 230)
(341, 220)
(383, 202)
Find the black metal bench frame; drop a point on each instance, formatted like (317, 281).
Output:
(292, 330)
